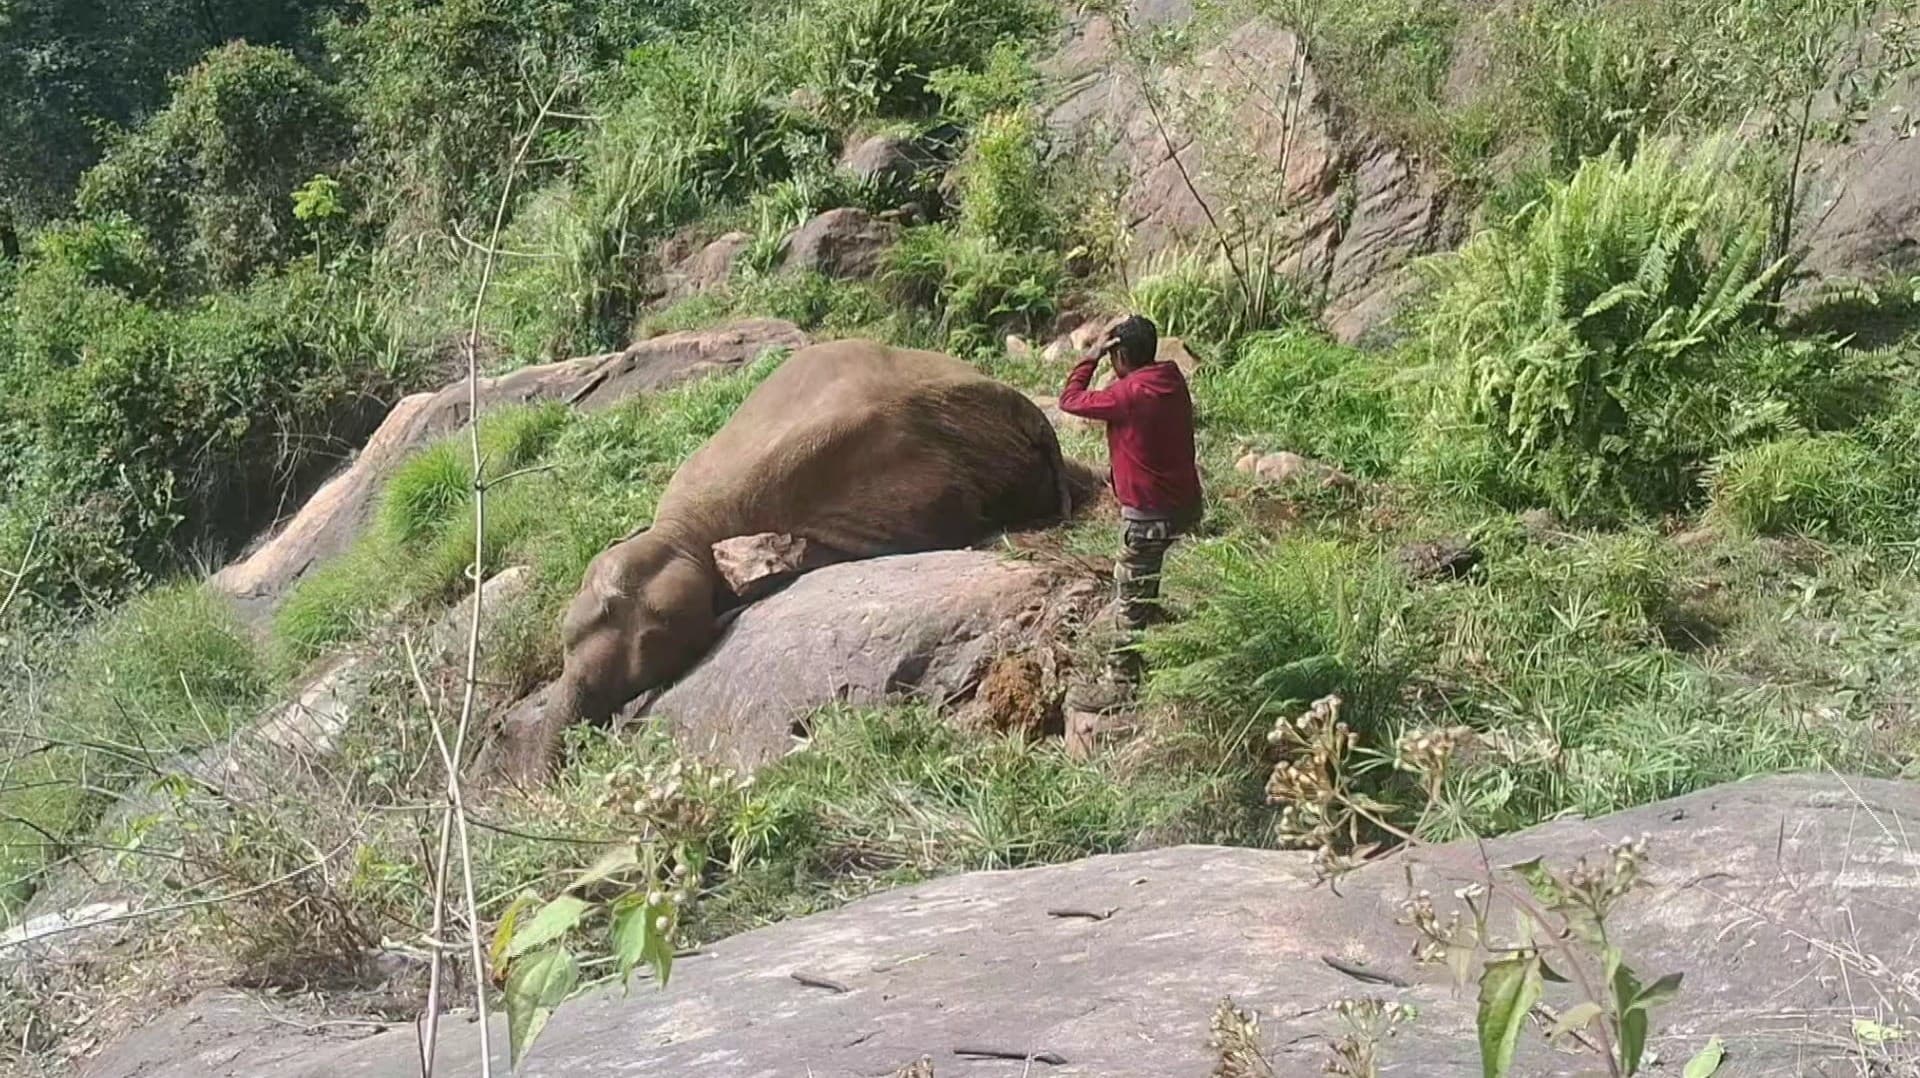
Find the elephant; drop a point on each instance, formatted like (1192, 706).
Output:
(854, 448)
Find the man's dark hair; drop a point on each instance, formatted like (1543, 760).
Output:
(1136, 339)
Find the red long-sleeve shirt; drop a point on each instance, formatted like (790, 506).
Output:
(1149, 417)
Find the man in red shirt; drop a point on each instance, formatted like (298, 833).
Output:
(1149, 418)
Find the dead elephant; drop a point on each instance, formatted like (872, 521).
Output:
(852, 448)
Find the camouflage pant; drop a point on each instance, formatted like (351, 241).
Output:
(1136, 576)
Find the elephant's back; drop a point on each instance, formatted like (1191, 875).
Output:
(861, 444)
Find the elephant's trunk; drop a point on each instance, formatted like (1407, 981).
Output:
(532, 730)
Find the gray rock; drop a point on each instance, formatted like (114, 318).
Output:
(330, 521)
(707, 269)
(846, 242)
(1859, 214)
(862, 632)
(893, 163)
(1788, 903)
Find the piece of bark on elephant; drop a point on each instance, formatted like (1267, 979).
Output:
(855, 448)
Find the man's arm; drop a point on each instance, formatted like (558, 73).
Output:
(1077, 399)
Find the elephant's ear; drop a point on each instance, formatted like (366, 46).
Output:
(630, 536)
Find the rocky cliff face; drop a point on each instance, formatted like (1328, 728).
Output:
(1789, 904)
(1248, 123)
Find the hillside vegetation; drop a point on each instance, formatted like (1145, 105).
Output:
(242, 231)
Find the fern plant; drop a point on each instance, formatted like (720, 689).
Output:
(1583, 337)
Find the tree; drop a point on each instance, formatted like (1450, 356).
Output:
(69, 67)
(210, 179)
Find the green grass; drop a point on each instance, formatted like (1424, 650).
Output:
(168, 672)
(1212, 302)
(1827, 485)
(1298, 391)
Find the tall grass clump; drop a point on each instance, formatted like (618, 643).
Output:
(1575, 667)
(1297, 390)
(975, 286)
(1827, 485)
(1585, 341)
(169, 671)
(867, 58)
(878, 797)
(1273, 626)
(1213, 301)
(684, 131)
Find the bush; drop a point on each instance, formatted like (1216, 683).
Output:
(694, 130)
(1297, 390)
(168, 672)
(1275, 626)
(136, 433)
(868, 58)
(976, 287)
(1005, 81)
(1826, 485)
(211, 178)
(1210, 303)
(1005, 193)
(445, 89)
(1585, 340)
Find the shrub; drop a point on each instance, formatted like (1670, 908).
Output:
(693, 130)
(1275, 626)
(1299, 391)
(1004, 82)
(1827, 485)
(1211, 303)
(875, 57)
(170, 671)
(1583, 340)
(976, 287)
(140, 432)
(211, 178)
(1004, 191)
(444, 90)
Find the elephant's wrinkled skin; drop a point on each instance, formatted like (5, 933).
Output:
(858, 448)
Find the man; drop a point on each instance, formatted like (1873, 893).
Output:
(1149, 418)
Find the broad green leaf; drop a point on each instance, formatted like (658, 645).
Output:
(539, 983)
(1707, 1062)
(630, 936)
(1633, 1018)
(1575, 1018)
(503, 934)
(1548, 972)
(1659, 991)
(1508, 990)
(616, 861)
(554, 920)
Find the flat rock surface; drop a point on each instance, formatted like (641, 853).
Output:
(336, 514)
(1791, 904)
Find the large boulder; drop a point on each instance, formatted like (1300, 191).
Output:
(1790, 904)
(1859, 210)
(1246, 122)
(330, 521)
(845, 242)
(896, 164)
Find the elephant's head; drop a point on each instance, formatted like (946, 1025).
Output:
(643, 616)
